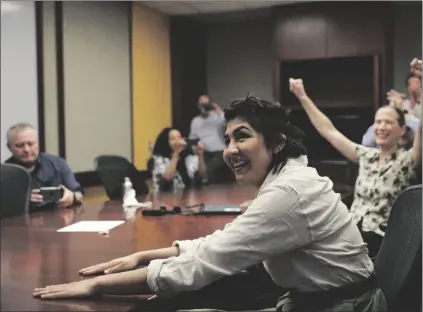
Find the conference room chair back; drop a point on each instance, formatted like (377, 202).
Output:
(398, 264)
(15, 190)
(112, 170)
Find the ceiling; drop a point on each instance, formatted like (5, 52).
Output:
(206, 7)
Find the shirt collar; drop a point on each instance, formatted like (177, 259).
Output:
(393, 156)
(301, 161)
(15, 161)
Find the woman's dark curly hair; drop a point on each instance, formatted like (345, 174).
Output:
(161, 146)
(272, 121)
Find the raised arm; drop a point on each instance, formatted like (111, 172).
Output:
(322, 123)
(416, 69)
(417, 144)
(202, 167)
(219, 111)
(193, 131)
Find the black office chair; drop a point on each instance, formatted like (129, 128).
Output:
(398, 264)
(113, 169)
(15, 191)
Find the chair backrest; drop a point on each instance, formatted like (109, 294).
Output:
(398, 264)
(113, 169)
(15, 190)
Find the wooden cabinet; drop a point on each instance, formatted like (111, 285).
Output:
(328, 29)
(332, 82)
(341, 51)
(356, 29)
(300, 32)
(301, 37)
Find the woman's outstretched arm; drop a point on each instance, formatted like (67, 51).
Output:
(322, 123)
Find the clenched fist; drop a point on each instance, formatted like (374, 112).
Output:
(296, 86)
(395, 98)
(416, 67)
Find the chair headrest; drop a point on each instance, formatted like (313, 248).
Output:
(402, 243)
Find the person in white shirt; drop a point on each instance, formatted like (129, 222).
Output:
(208, 127)
(410, 106)
(297, 226)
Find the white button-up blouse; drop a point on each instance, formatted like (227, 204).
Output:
(297, 226)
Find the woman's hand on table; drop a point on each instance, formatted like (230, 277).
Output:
(130, 262)
(80, 289)
(133, 282)
(113, 266)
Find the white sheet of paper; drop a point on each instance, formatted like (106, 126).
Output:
(91, 226)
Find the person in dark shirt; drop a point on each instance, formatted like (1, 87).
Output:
(46, 170)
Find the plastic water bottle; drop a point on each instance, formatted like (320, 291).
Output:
(130, 213)
(127, 187)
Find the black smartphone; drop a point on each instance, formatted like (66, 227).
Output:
(208, 107)
(192, 142)
(51, 193)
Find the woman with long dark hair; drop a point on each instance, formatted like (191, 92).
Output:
(174, 164)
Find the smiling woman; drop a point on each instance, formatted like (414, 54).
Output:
(259, 138)
(297, 226)
(384, 172)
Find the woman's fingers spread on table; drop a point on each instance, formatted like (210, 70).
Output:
(94, 269)
(79, 289)
(48, 291)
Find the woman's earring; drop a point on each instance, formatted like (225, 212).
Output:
(279, 148)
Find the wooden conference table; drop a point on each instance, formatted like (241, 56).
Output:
(34, 254)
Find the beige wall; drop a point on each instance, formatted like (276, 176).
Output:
(19, 102)
(51, 135)
(151, 79)
(96, 81)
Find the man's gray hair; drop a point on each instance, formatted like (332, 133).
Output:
(20, 126)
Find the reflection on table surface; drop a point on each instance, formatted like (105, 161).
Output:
(34, 254)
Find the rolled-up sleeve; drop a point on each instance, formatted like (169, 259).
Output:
(273, 224)
(191, 163)
(68, 177)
